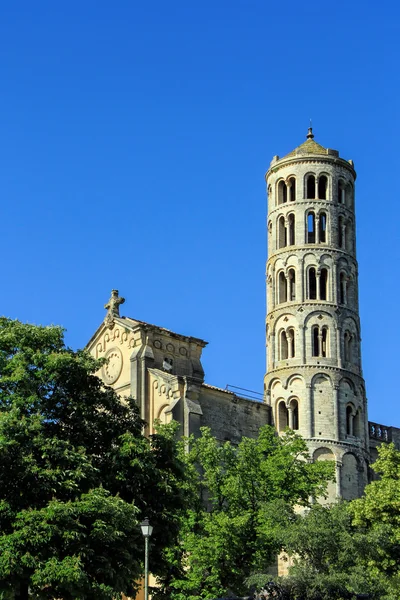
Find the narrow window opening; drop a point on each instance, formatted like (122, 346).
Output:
(282, 297)
(283, 416)
(284, 346)
(292, 189)
(292, 284)
(311, 228)
(341, 192)
(341, 233)
(323, 284)
(282, 192)
(322, 187)
(349, 420)
(281, 232)
(315, 341)
(291, 343)
(295, 414)
(322, 228)
(342, 298)
(312, 284)
(311, 186)
(324, 342)
(357, 424)
(291, 240)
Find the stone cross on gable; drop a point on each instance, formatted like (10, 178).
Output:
(112, 305)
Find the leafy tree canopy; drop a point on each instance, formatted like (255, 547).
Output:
(349, 549)
(248, 494)
(76, 475)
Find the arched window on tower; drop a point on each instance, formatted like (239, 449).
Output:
(310, 187)
(322, 228)
(291, 238)
(341, 192)
(349, 419)
(311, 228)
(348, 346)
(292, 189)
(324, 342)
(312, 284)
(319, 341)
(281, 232)
(282, 192)
(323, 284)
(342, 288)
(342, 233)
(283, 416)
(315, 341)
(282, 287)
(294, 415)
(284, 346)
(322, 187)
(292, 284)
(290, 336)
(357, 424)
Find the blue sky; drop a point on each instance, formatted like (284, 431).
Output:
(134, 142)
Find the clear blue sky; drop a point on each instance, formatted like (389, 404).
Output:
(134, 141)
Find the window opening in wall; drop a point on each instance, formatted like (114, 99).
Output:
(292, 189)
(281, 232)
(283, 416)
(315, 341)
(348, 346)
(323, 284)
(322, 187)
(341, 192)
(311, 186)
(357, 424)
(282, 288)
(342, 296)
(342, 233)
(324, 342)
(295, 414)
(311, 228)
(292, 284)
(282, 192)
(291, 240)
(312, 284)
(322, 228)
(349, 420)
(284, 346)
(291, 343)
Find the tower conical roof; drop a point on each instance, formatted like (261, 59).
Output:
(308, 147)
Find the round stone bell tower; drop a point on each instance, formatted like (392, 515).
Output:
(314, 380)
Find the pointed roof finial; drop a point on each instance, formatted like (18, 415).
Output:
(310, 134)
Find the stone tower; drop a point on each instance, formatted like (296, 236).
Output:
(314, 380)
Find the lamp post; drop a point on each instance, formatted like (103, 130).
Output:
(147, 530)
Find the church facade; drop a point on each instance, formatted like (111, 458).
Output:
(314, 382)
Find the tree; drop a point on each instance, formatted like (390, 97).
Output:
(76, 475)
(377, 513)
(248, 493)
(349, 548)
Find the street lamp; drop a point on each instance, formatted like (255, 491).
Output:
(147, 530)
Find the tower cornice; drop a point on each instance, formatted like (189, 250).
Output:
(278, 163)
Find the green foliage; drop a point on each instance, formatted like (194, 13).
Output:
(248, 494)
(76, 475)
(350, 548)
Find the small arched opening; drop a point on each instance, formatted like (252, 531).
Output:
(312, 284)
(322, 187)
(323, 284)
(310, 187)
(311, 228)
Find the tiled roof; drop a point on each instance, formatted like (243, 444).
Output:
(308, 147)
